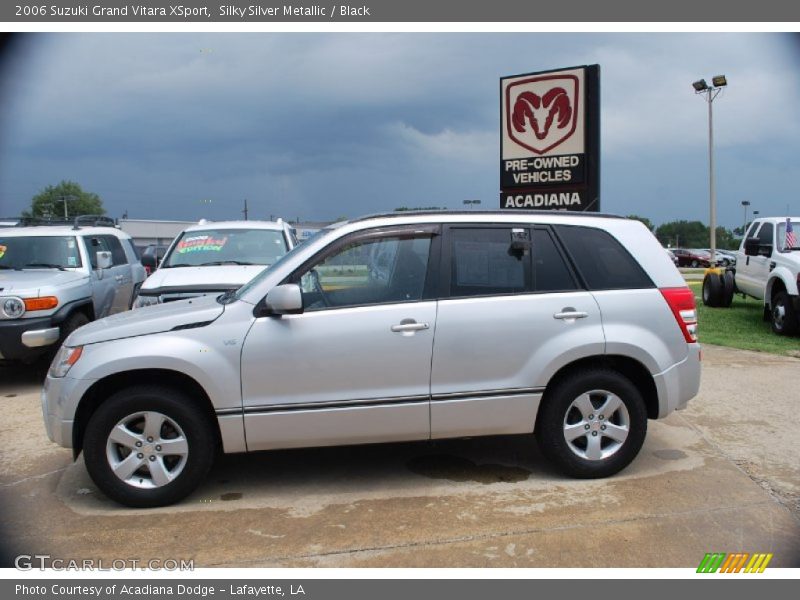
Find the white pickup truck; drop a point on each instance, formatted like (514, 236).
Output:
(767, 270)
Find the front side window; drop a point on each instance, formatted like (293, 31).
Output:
(367, 271)
(39, 252)
(765, 234)
(226, 247)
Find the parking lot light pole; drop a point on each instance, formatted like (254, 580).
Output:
(709, 93)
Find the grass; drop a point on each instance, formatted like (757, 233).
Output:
(740, 326)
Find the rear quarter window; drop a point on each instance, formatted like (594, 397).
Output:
(601, 260)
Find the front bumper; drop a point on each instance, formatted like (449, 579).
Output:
(60, 397)
(27, 339)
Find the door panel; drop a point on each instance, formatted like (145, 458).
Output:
(499, 344)
(355, 366)
(335, 359)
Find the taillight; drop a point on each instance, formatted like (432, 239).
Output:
(681, 303)
(147, 270)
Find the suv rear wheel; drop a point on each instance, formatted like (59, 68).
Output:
(592, 424)
(146, 446)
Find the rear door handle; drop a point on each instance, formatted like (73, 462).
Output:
(409, 325)
(567, 314)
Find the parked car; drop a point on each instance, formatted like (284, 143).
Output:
(54, 279)
(544, 324)
(672, 256)
(766, 269)
(210, 258)
(724, 258)
(692, 258)
(151, 257)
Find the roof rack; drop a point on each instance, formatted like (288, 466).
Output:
(85, 220)
(94, 221)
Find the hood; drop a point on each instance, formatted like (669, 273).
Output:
(218, 277)
(32, 280)
(148, 320)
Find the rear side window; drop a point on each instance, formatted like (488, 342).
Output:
(550, 270)
(601, 259)
(483, 264)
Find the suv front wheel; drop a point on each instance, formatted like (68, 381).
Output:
(592, 424)
(148, 446)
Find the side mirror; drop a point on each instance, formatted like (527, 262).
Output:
(104, 260)
(751, 246)
(286, 299)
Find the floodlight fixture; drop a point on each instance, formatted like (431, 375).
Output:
(719, 81)
(700, 86)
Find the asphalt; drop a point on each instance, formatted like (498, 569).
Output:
(720, 476)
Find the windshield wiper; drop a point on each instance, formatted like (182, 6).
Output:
(177, 265)
(225, 262)
(45, 265)
(226, 297)
(7, 267)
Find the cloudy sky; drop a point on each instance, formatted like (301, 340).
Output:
(318, 126)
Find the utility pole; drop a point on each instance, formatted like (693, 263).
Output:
(64, 199)
(245, 209)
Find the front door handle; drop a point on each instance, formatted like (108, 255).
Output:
(409, 326)
(570, 314)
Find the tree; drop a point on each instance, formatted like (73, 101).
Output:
(694, 234)
(685, 234)
(50, 202)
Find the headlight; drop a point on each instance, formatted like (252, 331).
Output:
(145, 300)
(13, 308)
(64, 360)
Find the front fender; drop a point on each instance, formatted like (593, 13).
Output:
(783, 275)
(214, 366)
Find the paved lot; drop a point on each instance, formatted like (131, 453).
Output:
(720, 476)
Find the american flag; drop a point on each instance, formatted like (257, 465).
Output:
(791, 240)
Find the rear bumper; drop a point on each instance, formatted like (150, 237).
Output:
(679, 384)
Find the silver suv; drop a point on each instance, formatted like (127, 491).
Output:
(575, 328)
(53, 279)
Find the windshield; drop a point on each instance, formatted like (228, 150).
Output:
(39, 252)
(782, 236)
(286, 257)
(226, 247)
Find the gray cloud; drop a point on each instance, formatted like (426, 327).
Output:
(323, 125)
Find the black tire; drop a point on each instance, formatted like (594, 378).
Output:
(75, 320)
(784, 318)
(728, 289)
(559, 413)
(184, 421)
(712, 290)
(135, 293)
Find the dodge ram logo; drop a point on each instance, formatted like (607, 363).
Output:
(542, 112)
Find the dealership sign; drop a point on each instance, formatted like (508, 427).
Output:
(550, 140)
